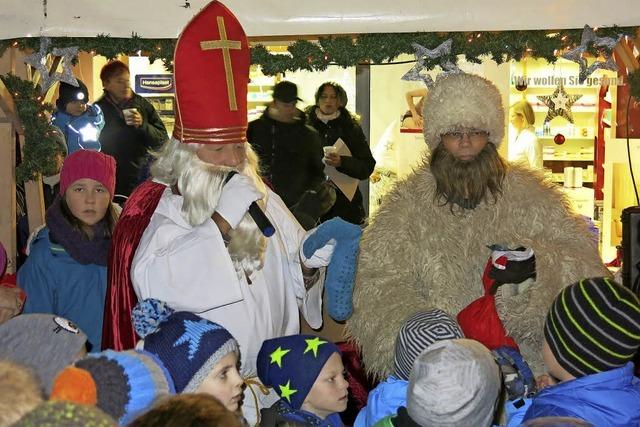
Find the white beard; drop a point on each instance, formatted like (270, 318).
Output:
(200, 185)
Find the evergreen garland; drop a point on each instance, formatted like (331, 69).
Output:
(345, 51)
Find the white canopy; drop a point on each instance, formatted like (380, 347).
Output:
(165, 18)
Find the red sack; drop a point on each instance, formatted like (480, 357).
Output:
(480, 321)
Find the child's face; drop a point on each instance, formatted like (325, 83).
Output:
(329, 393)
(88, 200)
(553, 367)
(224, 382)
(76, 108)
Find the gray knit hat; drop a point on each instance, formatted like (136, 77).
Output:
(463, 101)
(44, 342)
(417, 333)
(454, 383)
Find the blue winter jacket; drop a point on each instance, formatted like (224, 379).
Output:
(56, 283)
(80, 132)
(610, 398)
(384, 400)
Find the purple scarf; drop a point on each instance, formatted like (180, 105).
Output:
(83, 251)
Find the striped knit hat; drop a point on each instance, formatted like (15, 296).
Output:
(417, 333)
(593, 326)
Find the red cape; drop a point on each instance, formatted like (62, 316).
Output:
(117, 329)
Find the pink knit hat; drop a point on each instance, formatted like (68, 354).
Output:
(88, 164)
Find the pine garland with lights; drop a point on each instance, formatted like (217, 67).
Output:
(40, 148)
(344, 51)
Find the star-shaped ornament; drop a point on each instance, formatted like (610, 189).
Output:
(559, 103)
(422, 53)
(312, 345)
(193, 332)
(38, 60)
(575, 55)
(286, 391)
(277, 355)
(67, 53)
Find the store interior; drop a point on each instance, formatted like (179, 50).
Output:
(570, 164)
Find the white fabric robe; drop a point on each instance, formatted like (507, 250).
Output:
(526, 148)
(190, 268)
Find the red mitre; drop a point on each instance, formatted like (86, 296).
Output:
(211, 73)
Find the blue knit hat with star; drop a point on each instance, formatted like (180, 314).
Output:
(188, 345)
(291, 364)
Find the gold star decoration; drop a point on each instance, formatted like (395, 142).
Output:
(277, 355)
(312, 345)
(559, 103)
(286, 391)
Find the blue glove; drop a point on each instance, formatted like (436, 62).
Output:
(341, 272)
(516, 374)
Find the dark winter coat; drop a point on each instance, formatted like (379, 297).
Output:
(290, 155)
(127, 144)
(359, 166)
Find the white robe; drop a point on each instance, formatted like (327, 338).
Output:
(526, 149)
(190, 268)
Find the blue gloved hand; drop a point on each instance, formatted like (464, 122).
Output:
(341, 271)
(516, 374)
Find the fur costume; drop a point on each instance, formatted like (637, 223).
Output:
(416, 254)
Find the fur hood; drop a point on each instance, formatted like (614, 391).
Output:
(416, 255)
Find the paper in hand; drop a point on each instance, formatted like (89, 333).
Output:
(346, 184)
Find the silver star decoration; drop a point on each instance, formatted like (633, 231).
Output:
(559, 104)
(575, 55)
(421, 52)
(67, 53)
(38, 60)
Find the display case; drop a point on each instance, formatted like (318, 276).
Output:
(569, 149)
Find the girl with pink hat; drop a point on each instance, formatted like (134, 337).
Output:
(66, 272)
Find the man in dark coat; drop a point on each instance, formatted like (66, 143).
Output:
(132, 127)
(290, 153)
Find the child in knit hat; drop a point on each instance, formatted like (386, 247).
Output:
(65, 414)
(66, 272)
(197, 409)
(592, 334)
(416, 334)
(20, 392)
(306, 371)
(43, 342)
(453, 383)
(122, 384)
(201, 356)
(79, 121)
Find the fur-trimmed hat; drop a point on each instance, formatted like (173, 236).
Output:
(123, 384)
(291, 365)
(463, 101)
(43, 342)
(188, 345)
(593, 326)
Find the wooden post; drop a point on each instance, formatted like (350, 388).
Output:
(34, 198)
(8, 189)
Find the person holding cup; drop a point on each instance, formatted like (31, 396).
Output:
(333, 121)
(132, 127)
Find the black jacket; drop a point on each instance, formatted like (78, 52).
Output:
(290, 155)
(127, 144)
(359, 166)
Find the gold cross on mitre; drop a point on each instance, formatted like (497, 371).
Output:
(225, 45)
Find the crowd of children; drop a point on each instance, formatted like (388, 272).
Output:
(185, 371)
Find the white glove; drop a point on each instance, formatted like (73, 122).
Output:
(236, 197)
(321, 257)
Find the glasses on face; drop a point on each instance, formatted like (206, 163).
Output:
(472, 134)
